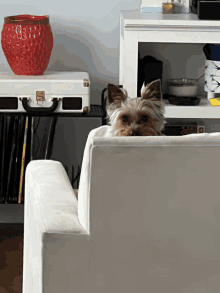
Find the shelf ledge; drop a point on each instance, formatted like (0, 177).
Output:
(11, 213)
(136, 20)
(203, 111)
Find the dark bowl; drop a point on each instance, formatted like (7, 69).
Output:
(184, 101)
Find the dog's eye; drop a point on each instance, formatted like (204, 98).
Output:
(144, 119)
(125, 118)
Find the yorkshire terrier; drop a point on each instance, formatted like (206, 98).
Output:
(142, 116)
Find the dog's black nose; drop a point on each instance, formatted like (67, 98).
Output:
(135, 133)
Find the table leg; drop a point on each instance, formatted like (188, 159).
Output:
(129, 63)
(121, 50)
(49, 147)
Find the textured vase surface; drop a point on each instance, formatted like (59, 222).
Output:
(27, 42)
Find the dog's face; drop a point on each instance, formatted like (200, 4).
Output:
(142, 116)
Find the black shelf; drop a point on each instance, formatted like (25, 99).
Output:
(13, 212)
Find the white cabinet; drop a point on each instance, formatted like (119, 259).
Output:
(154, 28)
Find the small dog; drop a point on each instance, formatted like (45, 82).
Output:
(142, 116)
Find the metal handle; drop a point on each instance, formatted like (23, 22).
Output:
(39, 110)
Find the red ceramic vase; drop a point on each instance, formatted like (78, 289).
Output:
(27, 43)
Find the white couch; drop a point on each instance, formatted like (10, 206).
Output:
(147, 218)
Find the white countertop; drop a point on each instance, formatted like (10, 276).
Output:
(136, 18)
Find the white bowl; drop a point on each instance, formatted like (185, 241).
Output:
(182, 87)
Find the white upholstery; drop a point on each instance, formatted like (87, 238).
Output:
(147, 219)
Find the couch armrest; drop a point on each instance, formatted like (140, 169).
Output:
(53, 236)
(48, 187)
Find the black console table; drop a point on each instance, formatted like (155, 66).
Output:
(96, 111)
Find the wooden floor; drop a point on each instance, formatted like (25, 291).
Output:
(11, 258)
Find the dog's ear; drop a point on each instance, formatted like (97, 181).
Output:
(151, 90)
(115, 94)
